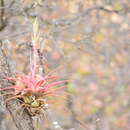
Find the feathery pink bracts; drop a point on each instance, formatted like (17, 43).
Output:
(34, 83)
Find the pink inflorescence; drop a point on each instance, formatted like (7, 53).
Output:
(32, 89)
(34, 83)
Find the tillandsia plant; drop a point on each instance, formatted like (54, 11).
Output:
(33, 89)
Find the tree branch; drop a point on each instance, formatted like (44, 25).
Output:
(22, 119)
(2, 12)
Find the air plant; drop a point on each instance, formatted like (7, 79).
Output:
(33, 89)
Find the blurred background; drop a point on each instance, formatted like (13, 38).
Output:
(90, 40)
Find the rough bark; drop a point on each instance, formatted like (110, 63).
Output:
(21, 119)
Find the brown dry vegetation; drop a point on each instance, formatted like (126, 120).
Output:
(90, 40)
